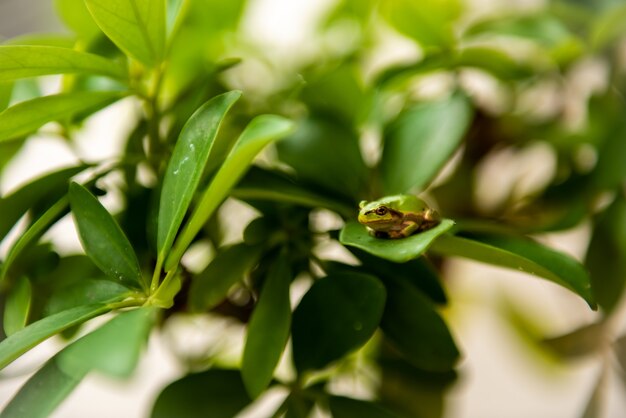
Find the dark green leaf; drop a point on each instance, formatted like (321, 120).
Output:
(86, 291)
(103, 240)
(25, 339)
(113, 349)
(260, 132)
(397, 250)
(137, 27)
(26, 117)
(521, 254)
(343, 407)
(421, 140)
(268, 329)
(187, 165)
(17, 306)
(336, 316)
(29, 60)
(213, 393)
(413, 326)
(229, 266)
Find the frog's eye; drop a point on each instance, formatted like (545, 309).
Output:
(380, 211)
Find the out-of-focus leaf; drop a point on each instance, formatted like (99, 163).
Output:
(343, 407)
(25, 339)
(327, 154)
(137, 27)
(75, 15)
(421, 140)
(397, 250)
(214, 393)
(583, 341)
(87, 291)
(428, 22)
(103, 240)
(268, 329)
(620, 351)
(495, 62)
(113, 349)
(398, 73)
(6, 91)
(609, 26)
(29, 61)
(42, 393)
(610, 171)
(606, 256)
(187, 165)
(260, 132)
(261, 184)
(520, 253)
(26, 117)
(594, 407)
(43, 39)
(17, 306)
(413, 326)
(337, 315)
(228, 267)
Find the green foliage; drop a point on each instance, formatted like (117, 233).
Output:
(300, 149)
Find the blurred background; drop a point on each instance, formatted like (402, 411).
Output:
(502, 374)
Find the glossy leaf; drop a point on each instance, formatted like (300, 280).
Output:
(397, 250)
(137, 27)
(259, 133)
(412, 325)
(103, 240)
(26, 117)
(521, 254)
(214, 393)
(268, 329)
(187, 165)
(29, 61)
(344, 407)
(42, 393)
(112, 349)
(86, 291)
(228, 267)
(421, 140)
(17, 306)
(336, 316)
(25, 339)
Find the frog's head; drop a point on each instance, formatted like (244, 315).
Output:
(377, 215)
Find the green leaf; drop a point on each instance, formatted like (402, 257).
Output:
(103, 239)
(413, 326)
(43, 39)
(6, 91)
(336, 316)
(608, 27)
(86, 291)
(76, 17)
(583, 341)
(25, 339)
(495, 62)
(187, 165)
(112, 349)
(137, 27)
(344, 407)
(229, 266)
(17, 306)
(397, 250)
(42, 393)
(214, 393)
(26, 117)
(421, 140)
(29, 61)
(521, 254)
(260, 132)
(268, 329)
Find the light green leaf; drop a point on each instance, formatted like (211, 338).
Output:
(268, 329)
(112, 349)
(6, 91)
(17, 306)
(137, 27)
(397, 250)
(609, 26)
(26, 117)
(43, 39)
(103, 239)
(228, 267)
(260, 132)
(336, 316)
(29, 61)
(25, 339)
(521, 254)
(420, 142)
(187, 165)
(75, 15)
(495, 62)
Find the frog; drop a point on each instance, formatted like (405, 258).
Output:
(397, 216)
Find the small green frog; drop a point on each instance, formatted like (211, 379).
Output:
(397, 216)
